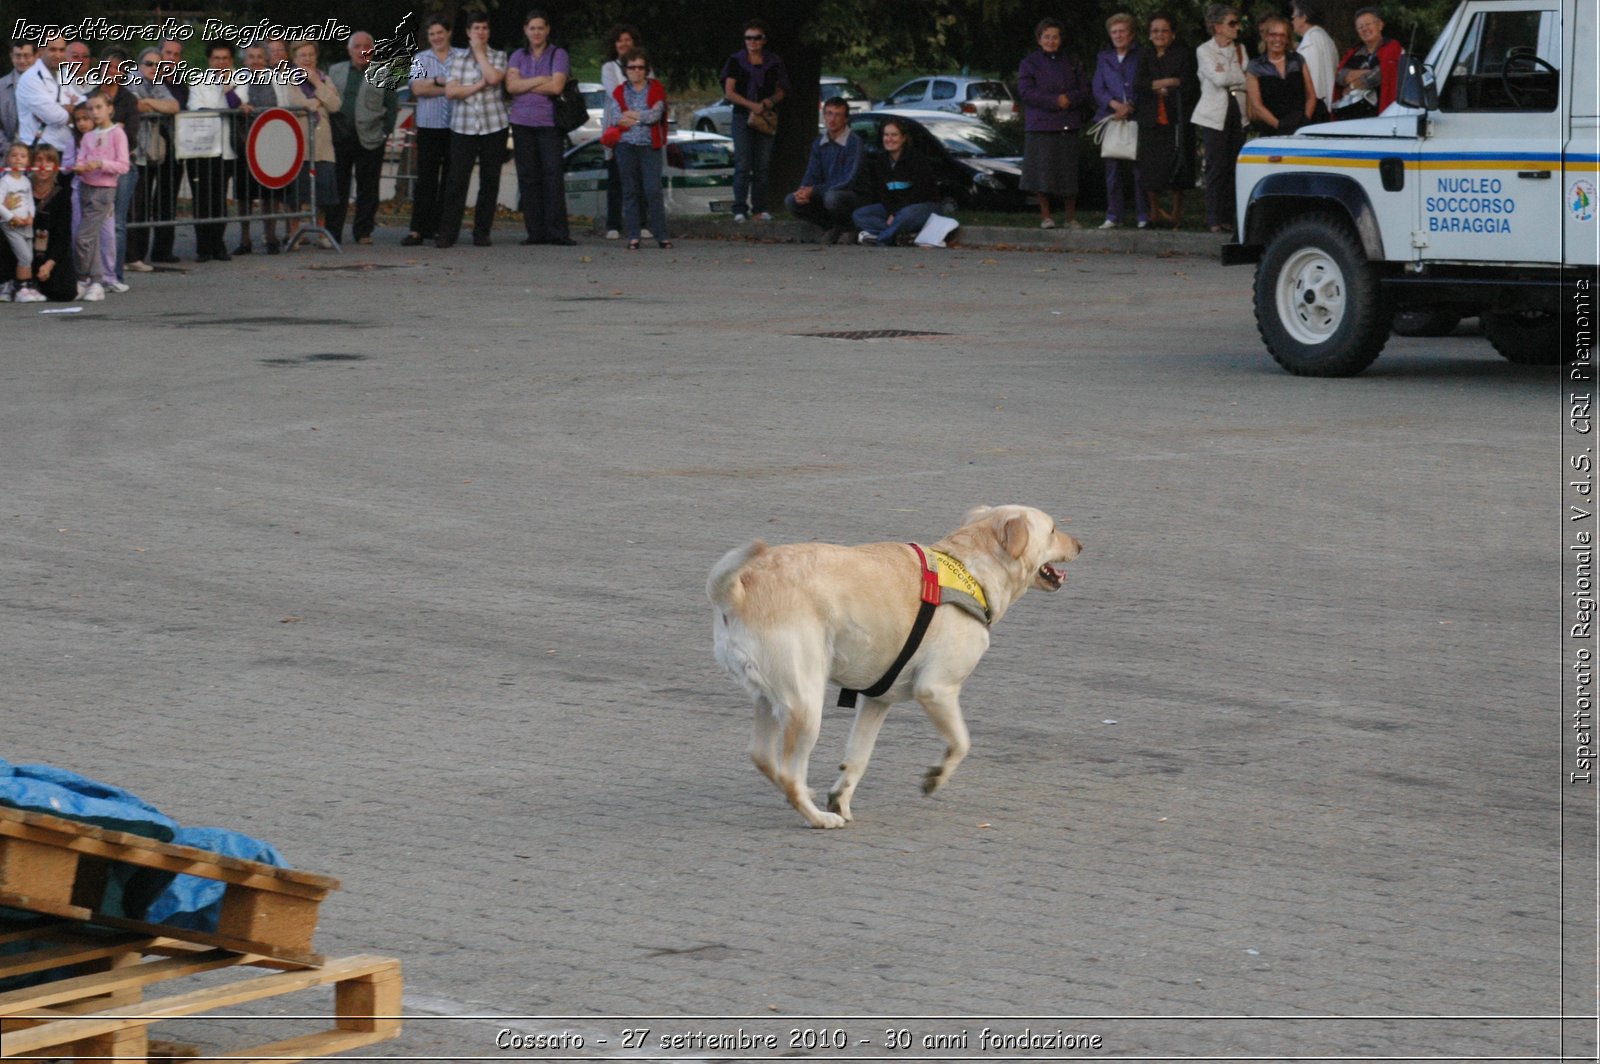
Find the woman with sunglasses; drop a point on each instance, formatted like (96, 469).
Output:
(1220, 114)
(755, 82)
(639, 107)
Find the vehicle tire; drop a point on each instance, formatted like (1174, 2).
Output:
(1319, 306)
(1528, 337)
(1426, 321)
(705, 125)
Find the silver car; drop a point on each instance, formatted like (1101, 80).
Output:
(955, 93)
(697, 177)
(718, 117)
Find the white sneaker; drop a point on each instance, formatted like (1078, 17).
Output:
(7, 290)
(29, 294)
(116, 286)
(763, 216)
(93, 294)
(866, 239)
(1048, 223)
(645, 234)
(140, 267)
(740, 219)
(1108, 224)
(83, 286)
(612, 234)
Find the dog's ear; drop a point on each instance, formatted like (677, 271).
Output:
(1014, 536)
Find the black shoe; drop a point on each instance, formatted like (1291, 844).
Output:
(529, 241)
(445, 242)
(243, 249)
(221, 255)
(564, 242)
(410, 240)
(202, 257)
(481, 240)
(833, 234)
(168, 257)
(273, 247)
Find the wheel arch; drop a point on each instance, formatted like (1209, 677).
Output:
(1277, 198)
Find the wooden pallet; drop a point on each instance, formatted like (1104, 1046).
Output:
(107, 1011)
(59, 868)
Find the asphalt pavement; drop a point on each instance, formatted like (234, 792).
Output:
(396, 559)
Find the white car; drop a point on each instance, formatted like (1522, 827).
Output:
(698, 176)
(718, 117)
(956, 93)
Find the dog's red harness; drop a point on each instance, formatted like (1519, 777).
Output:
(932, 595)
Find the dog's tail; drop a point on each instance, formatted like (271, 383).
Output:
(722, 588)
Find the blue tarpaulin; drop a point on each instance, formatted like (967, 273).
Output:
(136, 893)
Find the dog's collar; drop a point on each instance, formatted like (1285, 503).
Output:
(958, 586)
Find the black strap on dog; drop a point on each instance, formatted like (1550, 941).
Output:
(931, 597)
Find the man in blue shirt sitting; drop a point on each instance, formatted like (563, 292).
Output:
(826, 196)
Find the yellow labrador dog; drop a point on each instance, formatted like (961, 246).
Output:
(790, 619)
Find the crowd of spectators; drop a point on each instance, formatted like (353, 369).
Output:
(90, 143)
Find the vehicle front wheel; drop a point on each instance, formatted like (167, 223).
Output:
(1527, 337)
(1319, 306)
(705, 125)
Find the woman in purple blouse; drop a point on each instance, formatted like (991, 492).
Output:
(1055, 96)
(1115, 72)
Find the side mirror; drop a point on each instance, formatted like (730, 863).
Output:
(1417, 88)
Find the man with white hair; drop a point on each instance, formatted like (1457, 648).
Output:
(361, 128)
(44, 105)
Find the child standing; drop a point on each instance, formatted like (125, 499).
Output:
(102, 158)
(16, 218)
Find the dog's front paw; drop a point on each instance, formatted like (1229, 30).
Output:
(933, 779)
(839, 802)
(828, 820)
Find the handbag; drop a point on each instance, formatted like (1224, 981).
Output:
(764, 122)
(1118, 138)
(571, 110)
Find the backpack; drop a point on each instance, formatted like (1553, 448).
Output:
(571, 110)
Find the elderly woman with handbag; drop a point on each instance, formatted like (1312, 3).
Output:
(1219, 115)
(755, 82)
(1116, 70)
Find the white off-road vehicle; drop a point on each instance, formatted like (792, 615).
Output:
(1474, 193)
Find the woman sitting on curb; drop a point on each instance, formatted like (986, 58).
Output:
(902, 189)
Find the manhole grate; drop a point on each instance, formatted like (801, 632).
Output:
(872, 334)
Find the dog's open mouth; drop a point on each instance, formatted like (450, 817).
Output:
(1051, 578)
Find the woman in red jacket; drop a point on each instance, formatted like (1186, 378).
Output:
(1368, 78)
(639, 108)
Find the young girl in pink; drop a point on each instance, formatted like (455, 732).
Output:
(102, 158)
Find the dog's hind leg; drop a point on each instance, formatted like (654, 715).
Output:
(802, 721)
(943, 705)
(764, 743)
(857, 752)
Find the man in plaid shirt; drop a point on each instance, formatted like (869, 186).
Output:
(479, 121)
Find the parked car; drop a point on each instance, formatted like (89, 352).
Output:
(977, 166)
(718, 117)
(954, 93)
(698, 174)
